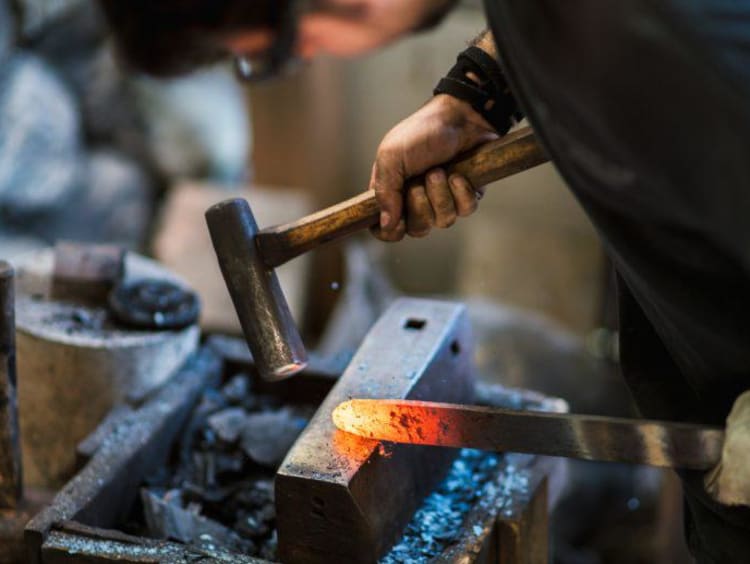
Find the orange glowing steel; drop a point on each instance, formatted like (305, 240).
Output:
(393, 421)
(588, 437)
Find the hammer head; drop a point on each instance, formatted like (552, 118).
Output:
(264, 314)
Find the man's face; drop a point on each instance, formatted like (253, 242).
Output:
(345, 28)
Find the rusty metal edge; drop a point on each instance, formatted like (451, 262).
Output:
(72, 542)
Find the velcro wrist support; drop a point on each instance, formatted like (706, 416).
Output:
(491, 96)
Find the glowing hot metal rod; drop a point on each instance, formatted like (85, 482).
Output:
(588, 437)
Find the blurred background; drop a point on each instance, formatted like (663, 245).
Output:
(91, 153)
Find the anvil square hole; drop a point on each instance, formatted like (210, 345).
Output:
(456, 348)
(415, 324)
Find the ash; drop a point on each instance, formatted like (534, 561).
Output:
(218, 492)
(438, 523)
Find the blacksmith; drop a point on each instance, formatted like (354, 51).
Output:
(644, 107)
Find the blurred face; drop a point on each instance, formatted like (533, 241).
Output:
(346, 28)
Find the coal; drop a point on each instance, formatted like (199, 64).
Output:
(436, 525)
(228, 424)
(237, 389)
(267, 437)
(222, 473)
(166, 518)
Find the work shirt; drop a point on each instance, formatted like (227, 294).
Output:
(644, 107)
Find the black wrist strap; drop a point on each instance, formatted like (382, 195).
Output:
(491, 97)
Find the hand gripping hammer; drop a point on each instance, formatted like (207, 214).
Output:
(248, 256)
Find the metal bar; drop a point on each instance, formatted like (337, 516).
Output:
(11, 485)
(587, 437)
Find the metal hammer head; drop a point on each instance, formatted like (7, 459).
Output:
(269, 329)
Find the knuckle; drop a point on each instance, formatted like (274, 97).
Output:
(445, 207)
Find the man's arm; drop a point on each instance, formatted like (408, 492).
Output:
(439, 131)
(486, 43)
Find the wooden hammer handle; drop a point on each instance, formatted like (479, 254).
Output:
(505, 157)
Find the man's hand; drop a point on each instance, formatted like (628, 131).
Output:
(441, 130)
(729, 482)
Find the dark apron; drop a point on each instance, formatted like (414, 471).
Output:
(644, 107)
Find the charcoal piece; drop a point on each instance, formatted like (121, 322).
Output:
(267, 513)
(270, 547)
(261, 402)
(228, 424)
(214, 495)
(257, 496)
(204, 469)
(229, 463)
(211, 402)
(237, 389)
(250, 526)
(167, 519)
(40, 152)
(267, 437)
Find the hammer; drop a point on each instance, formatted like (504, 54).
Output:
(247, 255)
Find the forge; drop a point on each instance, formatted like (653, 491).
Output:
(196, 471)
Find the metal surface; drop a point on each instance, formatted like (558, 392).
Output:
(11, 486)
(264, 314)
(344, 499)
(588, 437)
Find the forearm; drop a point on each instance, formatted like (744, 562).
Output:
(486, 42)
